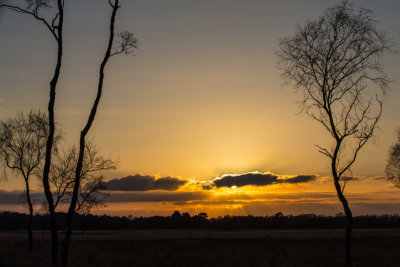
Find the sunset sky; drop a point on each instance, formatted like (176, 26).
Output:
(198, 118)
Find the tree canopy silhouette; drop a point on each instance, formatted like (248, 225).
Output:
(22, 150)
(92, 190)
(334, 61)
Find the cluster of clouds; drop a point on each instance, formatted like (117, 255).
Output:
(147, 183)
(148, 188)
(257, 179)
(189, 194)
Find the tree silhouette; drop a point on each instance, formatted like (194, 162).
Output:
(393, 165)
(92, 192)
(53, 20)
(54, 23)
(334, 60)
(22, 149)
(62, 175)
(126, 44)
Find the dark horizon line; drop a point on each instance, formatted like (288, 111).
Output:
(16, 221)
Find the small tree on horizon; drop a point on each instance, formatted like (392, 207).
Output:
(22, 150)
(335, 62)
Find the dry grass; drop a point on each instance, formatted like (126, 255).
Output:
(211, 248)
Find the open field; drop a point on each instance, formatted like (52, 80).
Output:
(371, 247)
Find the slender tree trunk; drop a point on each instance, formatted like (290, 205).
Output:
(346, 208)
(349, 222)
(92, 115)
(349, 229)
(28, 199)
(342, 198)
(50, 138)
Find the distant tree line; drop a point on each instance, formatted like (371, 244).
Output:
(12, 221)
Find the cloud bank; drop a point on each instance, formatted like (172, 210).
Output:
(148, 188)
(144, 183)
(18, 196)
(156, 196)
(257, 179)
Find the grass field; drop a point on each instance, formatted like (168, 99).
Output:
(371, 247)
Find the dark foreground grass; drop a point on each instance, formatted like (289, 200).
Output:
(368, 250)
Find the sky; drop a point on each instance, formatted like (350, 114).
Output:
(201, 100)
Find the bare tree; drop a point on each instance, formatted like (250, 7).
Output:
(22, 149)
(126, 45)
(54, 23)
(393, 164)
(334, 61)
(62, 177)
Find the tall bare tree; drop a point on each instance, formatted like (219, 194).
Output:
(393, 165)
(54, 23)
(126, 44)
(22, 149)
(335, 61)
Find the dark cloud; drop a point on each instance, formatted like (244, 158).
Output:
(168, 183)
(156, 196)
(207, 186)
(144, 183)
(14, 197)
(9, 197)
(299, 179)
(131, 183)
(257, 179)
